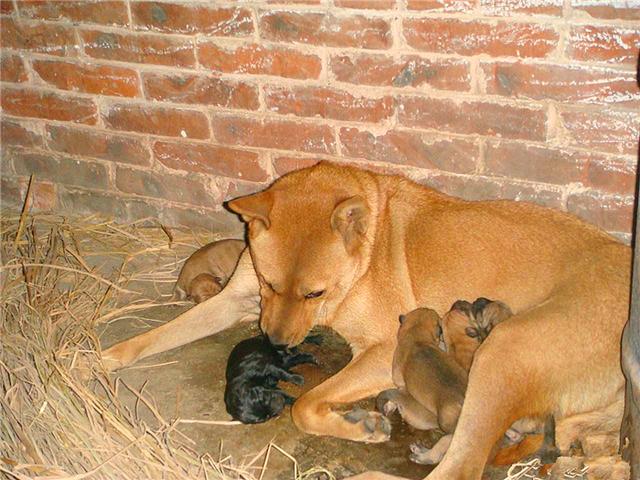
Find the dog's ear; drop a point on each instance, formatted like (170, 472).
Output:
(255, 210)
(351, 219)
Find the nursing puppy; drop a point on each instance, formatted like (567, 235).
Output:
(254, 369)
(207, 271)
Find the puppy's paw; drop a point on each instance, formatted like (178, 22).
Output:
(513, 436)
(375, 428)
(297, 379)
(422, 455)
(386, 401)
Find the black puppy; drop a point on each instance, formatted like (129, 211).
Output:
(254, 368)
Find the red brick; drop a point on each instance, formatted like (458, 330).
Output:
(211, 159)
(472, 117)
(104, 204)
(605, 131)
(47, 167)
(411, 148)
(476, 37)
(604, 44)
(238, 188)
(91, 143)
(200, 89)
(326, 29)
(280, 134)
(484, 188)
(171, 122)
(6, 7)
(569, 84)
(50, 105)
(548, 165)
(192, 19)
(365, 4)
(442, 5)
(610, 212)
(615, 10)
(158, 185)
(259, 60)
(12, 69)
(13, 191)
(37, 37)
(413, 71)
(523, 7)
(100, 12)
(283, 165)
(295, 2)
(139, 48)
(327, 103)
(17, 133)
(88, 78)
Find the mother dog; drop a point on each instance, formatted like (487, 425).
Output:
(351, 249)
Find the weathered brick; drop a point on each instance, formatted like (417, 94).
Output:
(485, 188)
(191, 19)
(50, 105)
(286, 164)
(84, 11)
(560, 166)
(19, 133)
(167, 187)
(12, 69)
(212, 159)
(239, 188)
(103, 204)
(411, 148)
(412, 71)
(568, 84)
(477, 37)
(200, 89)
(365, 4)
(88, 78)
(171, 122)
(280, 134)
(215, 221)
(625, 10)
(91, 143)
(326, 29)
(139, 48)
(259, 60)
(6, 7)
(610, 212)
(610, 44)
(47, 167)
(441, 5)
(526, 7)
(37, 37)
(13, 191)
(472, 117)
(605, 131)
(327, 103)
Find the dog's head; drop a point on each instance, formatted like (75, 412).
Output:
(308, 237)
(257, 404)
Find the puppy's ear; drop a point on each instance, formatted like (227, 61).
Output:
(350, 218)
(255, 210)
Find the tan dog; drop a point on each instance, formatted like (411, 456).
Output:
(206, 272)
(430, 383)
(351, 249)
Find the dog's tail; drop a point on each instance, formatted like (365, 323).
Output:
(514, 453)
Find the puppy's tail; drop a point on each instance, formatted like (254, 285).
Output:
(514, 453)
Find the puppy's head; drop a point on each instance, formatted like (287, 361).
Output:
(258, 405)
(484, 316)
(421, 324)
(308, 237)
(203, 287)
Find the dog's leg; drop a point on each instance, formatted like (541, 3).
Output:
(239, 301)
(367, 374)
(408, 407)
(430, 456)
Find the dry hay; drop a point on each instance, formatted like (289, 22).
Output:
(61, 278)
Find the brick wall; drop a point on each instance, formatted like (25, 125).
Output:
(166, 109)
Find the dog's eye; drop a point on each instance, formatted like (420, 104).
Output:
(316, 294)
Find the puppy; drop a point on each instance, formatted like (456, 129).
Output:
(207, 271)
(431, 384)
(466, 325)
(254, 369)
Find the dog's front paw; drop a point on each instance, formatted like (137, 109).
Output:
(422, 455)
(376, 428)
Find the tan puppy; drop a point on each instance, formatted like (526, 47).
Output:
(352, 249)
(431, 384)
(207, 271)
